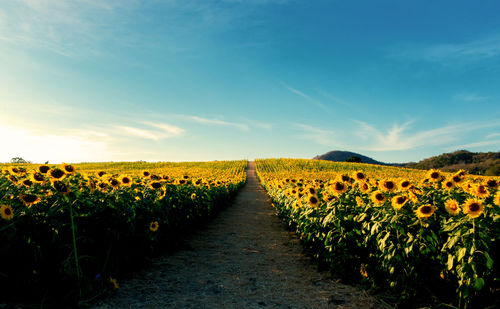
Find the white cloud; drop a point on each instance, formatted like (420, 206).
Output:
(171, 130)
(138, 132)
(493, 135)
(208, 121)
(303, 95)
(469, 97)
(398, 138)
(320, 136)
(480, 49)
(476, 145)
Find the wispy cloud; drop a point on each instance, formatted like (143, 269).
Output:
(170, 130)
(492, 135)
(480, 49)
(161, 131)
(475, 145)
(259, 124)
(241, 126)
(320, 136)
(303, 95)
(332, 97)
(398, 137)
(469, 97)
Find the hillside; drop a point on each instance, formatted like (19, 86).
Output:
(479, 163)
(341, 156)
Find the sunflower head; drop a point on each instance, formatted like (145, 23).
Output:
(480, 190)
(359, 176)
(448, 184)
(473, 208)
(29, 199)
(425, 211)
(114, 183)
(388, 185)
(338, 187)
(153, 226)
(145, 174)
(68, 168)
(27, 182)
(37, 177)
(378, 197)
(359, 201)
(125, 180)
(434, 175)
(155, 185)
(364, 187)
(313, 201)
(404, 185)
(193, 196)
(496, 200)
(61, 187)
(16, 171)
(56, 174)
(399, 201)
(452, 207)
(43, 169)
(492, 183)
(6, 212)
(100, 174)
(311, 190)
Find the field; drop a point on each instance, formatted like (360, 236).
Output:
(424, 235)
(69, 232)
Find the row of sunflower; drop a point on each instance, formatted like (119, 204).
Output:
(67, 236)
(426, 236)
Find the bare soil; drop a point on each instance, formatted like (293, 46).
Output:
(244, 258)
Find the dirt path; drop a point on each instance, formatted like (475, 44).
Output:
(243, 259)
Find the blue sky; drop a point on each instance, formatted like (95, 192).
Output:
(126, 80)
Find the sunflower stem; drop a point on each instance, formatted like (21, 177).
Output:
(75, 251)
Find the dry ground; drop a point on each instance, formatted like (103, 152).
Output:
(244, 258)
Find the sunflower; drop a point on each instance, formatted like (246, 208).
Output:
(102, 186)
(338, 187)
(27, 182)
(313, 201)
(359, 176)
(6, 212)
(155, 185)
(145, 174)
(433, 175)
(166, 177)
(399, 201)
(328, 198)
(68, 168)
(378, 197)
(448, 184)
(29, 199)
(496, 200)
(153, 226)
(452, 207)
(425, 211)
(362, 271)
(114, 183)
(193, 196)
(404, 185)
(492, 183)
(56, 174)
(101, 173)
(480, 191)
(61, 187)
(37, 177)
(14, 170)
(364, 186)
(359, 201)
(125, 180)
(43, 169)
(311, 190)
(473, 208)
(458, 177)
(388, 185)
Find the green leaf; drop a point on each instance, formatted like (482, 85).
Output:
(461, 253)
(450, 261)
(489, 261)
(478, 284)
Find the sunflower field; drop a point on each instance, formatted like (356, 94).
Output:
(69, 232)
(425, 236)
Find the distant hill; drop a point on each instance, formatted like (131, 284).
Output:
(341, 156)
(478, 163)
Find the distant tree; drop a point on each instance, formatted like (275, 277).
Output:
(493, 171)
(18, 160)
(354, 159)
